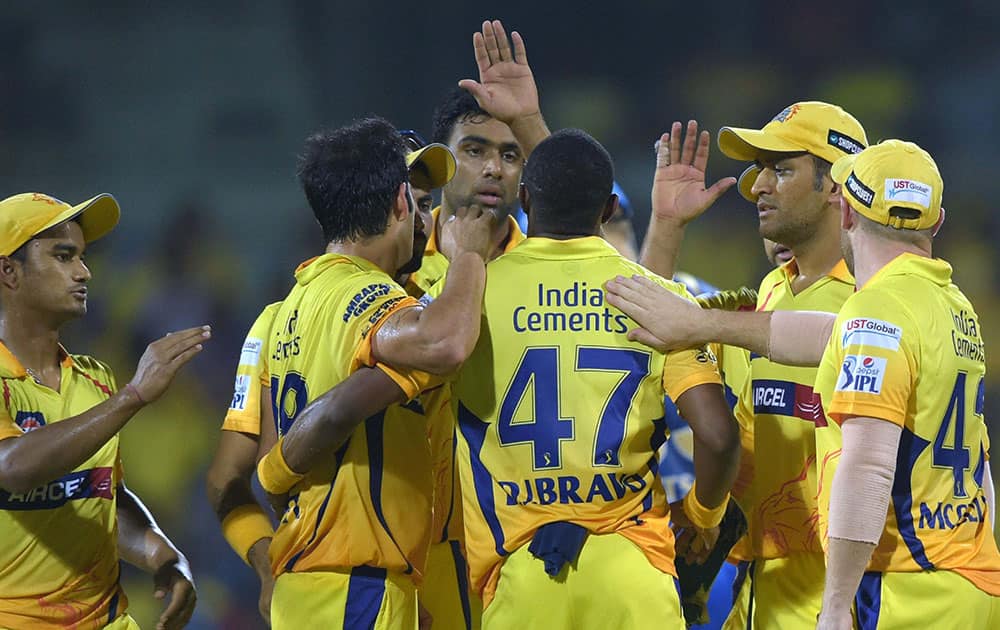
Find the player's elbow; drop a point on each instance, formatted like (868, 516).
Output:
(447, 355)
(722, 438)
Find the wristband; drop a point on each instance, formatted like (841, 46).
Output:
(273, 472)
(135, 392)
(701, 516)
(244, 526)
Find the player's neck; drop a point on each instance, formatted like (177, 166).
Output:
(814, 259)
(872, 254)
(31, 339)
(378, 251)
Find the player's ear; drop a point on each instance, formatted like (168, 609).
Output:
(847, 219)
(940, 222)
(834, 193)
(610, 208)
(9, 276)
(403, 204)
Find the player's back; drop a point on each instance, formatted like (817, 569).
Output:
(560, 415)
(930, 336)
(370, 504)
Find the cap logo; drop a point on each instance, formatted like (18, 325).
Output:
(52, 201)
(844, 142)
(900, 190)
(786, 114)
(859, 191)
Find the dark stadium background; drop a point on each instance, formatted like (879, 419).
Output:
(192, 113)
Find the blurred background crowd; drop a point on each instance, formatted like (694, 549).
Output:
(192, 114)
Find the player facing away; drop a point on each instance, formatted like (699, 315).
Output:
(352, 542)
(66, 517)
(248, 428)
(560, 418)
(905, 497)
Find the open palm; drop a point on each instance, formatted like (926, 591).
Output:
(679, 192)
(506, 88)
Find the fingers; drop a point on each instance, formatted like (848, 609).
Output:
(690, 140)
(663, 151)
(520, 52)
(174, 343)
(482, 57)
(185, 356)
(675, 143)
(492, 48)
(476, 89)
(503, 44)
(701, 152)
(180, 608)
(719, 187)
(646, 338)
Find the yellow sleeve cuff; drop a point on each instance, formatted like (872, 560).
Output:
(701, 516)
(244, 526)
(273, 472)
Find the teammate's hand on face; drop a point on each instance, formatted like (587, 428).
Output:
(470, 229)
(162, 359)
(679, 192)
(506, 88)
(174, 580)
(668, 321)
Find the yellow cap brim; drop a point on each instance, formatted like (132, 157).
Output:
(842, 168)
(747, 144)
(438, 161)
(745, 184)
(97, 216)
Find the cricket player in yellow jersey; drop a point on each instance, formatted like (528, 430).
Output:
(352, 543)
(903, 461)
(248, 427)
(904, 483)
(66, 517)
(560, 418)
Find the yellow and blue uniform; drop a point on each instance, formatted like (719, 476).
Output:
(353, 540)
(59, 557)
(778, 411)
(252, 374)
(937, 559)
(445, 593)
(560, 418)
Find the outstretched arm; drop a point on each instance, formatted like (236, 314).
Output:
(679, 195)
(141, 543)
(506, 87)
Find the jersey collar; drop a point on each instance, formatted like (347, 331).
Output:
(581, 247)
(839, 271)
(10, 367)
(515, 238)
(310, 269)
(934, 269)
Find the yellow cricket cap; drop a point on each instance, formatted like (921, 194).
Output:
(824, 130)
(746, 181)
(894, 183)
(439, 162)
(24, 216)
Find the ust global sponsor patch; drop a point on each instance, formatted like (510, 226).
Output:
(864, 331)
(251, 351)
(861, 373)
(899, 190)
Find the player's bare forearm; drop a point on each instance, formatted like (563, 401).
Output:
(530, 131)
(141, 543)
(327, 422)
(661, 247)
(440, 337)
(845, 565)
(716, 442)
(227, 484)
(37, 457)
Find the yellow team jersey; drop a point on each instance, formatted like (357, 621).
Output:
(434, 266)
(777, 412)
(907, 348)
(251, 374)
(59, 557)
(370, 505)
(560, 416)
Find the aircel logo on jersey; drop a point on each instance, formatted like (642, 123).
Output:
(82, 484)
(365, 298)
(950, 516)
(861, 373)
(251, 351)
(862, 331)
(785, 398)
(908, 190)
(29, 420)
(240, 391)
(571, 489)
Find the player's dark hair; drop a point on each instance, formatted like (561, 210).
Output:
(457, 106)
(821, 168)
(569, 177)
(351, 176)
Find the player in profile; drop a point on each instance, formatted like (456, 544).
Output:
(353, 539)
(66, 517)
(248, 426)
(904, 485)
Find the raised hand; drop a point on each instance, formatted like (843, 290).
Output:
(162, 359)
(470, 229)
(506, 88)
(679, 192)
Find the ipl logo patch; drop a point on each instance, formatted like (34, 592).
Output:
(786, 114)
(861, 373)
(29, 420)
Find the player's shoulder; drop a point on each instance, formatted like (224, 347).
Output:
(264, 320)
(772, 278)
(95, 369)
(630, 268)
